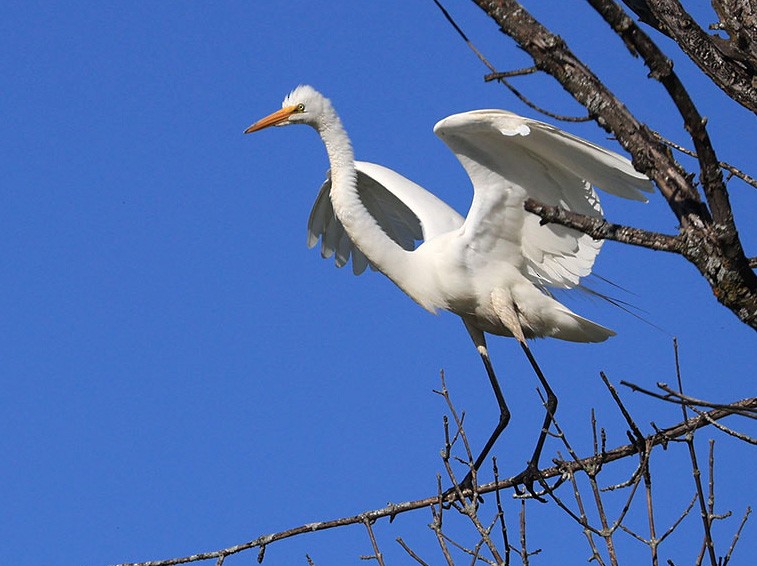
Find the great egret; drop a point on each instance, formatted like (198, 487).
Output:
(491, 268)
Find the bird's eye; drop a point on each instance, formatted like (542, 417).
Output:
(300, 107)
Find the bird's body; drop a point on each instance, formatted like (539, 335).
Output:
(492, 268)
(499, 253)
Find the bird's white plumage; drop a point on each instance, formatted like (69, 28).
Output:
(405, 211)
(491, 267)
(503, 152)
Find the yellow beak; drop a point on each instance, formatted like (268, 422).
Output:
(272, 119)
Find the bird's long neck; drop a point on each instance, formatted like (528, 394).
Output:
(383, 252)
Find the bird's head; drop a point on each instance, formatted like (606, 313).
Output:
(304, 105)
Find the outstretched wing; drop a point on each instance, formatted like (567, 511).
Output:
(405, 211)
(510, 158)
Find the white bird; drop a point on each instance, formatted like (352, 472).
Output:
(492, 268)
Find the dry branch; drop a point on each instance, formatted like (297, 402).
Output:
(708, 236)
(601, 229)
(730, 63)
(393, 510)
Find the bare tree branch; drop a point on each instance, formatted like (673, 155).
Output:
(412, 554)
(737, 535)
(551, 54)
(708, 545)
(661, 69)
(377, 556)
(392, 510)
(730, 64)
(502, 77)
(686, 400)
(748, 179)
(708, 237)
(600, 229)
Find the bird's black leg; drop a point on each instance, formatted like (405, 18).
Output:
(504, 412)
(531, 474)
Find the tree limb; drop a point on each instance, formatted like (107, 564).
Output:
(661, 69)
(730, 64)
(552, 55)
(713, 247)
(601, 229)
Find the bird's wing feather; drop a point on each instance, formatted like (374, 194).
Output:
(405, 211)
(324, 225)
(509, 159)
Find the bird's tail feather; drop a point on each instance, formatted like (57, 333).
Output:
(575, 328)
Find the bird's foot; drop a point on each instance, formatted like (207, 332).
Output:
(530, 477)
(465, 489)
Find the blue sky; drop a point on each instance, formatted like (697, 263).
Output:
(180, 373)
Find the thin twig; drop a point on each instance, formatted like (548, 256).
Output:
(711, 479)
(730, 168)
(588, 532)
(688, 400)
(749, 411)
(501, 77)
(730, 432)
(644, 461)
(525, 100)
(485, 532)
(670, 530)
(627, 483)
(508, 74)
(522, 524)
(708, 544)
(376, 552)
(436, 526)
(650, 511)
(737, 535)
(501, 514)
(474, 553)
(678, 521)
(449, 443)
(412, 554)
